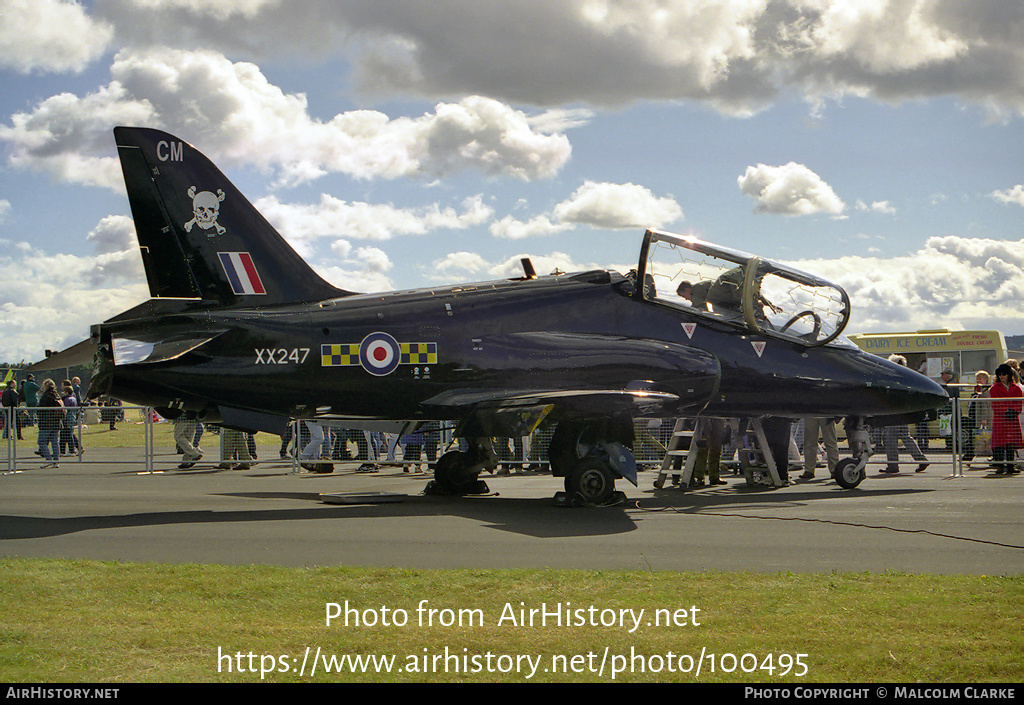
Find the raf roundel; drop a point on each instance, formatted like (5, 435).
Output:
(379, 354)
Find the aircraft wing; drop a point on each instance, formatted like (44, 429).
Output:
(583, 400)
(518, 412)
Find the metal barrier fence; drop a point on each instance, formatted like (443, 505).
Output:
(67, 432)
(967, 425)
(137, 435)
(961, 435)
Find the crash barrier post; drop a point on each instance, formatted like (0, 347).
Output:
(148, 440)
(334, 442)
(951, 435)
(134, 428)
(962, 429)
(296, 435)
(10, 435)
(956, 431)
(87, 426)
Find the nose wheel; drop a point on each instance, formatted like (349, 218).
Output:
(849, 473)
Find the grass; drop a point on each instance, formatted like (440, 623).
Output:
(78, 621)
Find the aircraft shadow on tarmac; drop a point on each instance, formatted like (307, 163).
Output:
(535, 517)
(739, 496)
(531, 517)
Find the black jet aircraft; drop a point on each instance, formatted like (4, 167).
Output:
(241, 331)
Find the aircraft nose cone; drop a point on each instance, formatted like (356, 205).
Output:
(915, 392)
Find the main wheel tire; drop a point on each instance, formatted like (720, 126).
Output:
(847, 475)
(592, 480)
(451, 476)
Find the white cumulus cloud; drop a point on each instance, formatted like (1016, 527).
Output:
(597, 205)
(49, 300)
(1012, 195)
(463, 261)
(791, 189)
(513, 229)
(617, 206)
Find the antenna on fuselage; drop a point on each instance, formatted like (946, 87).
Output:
(528, 269)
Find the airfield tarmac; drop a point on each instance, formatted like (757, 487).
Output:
(917, 523)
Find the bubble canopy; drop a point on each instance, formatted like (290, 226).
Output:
(765, 297)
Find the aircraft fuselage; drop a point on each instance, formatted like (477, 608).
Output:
(397, 355)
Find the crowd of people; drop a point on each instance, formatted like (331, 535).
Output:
(313, 445)
(1001, 417)
(54, 411)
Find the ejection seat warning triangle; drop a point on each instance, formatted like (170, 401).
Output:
(758, 346)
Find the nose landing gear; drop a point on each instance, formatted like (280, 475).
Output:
(850, 472)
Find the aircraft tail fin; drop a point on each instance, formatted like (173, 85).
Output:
(200, 237)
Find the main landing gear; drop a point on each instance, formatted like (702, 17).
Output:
(591, 455)
(458, 472)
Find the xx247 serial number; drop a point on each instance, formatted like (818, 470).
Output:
(281, 356)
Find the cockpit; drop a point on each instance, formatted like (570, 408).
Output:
(765, 297)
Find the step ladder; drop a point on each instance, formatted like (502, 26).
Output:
(679, 446)
(756, 457)
(754, 461)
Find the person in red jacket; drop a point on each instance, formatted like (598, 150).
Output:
(1006, 431)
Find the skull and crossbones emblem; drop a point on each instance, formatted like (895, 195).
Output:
(206, 207)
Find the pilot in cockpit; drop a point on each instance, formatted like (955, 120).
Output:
(697, 294)
(725, 295)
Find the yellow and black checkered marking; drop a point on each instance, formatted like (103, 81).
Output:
(418, 353)
(339, 355)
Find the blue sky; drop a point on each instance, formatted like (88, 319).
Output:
(877, 143)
